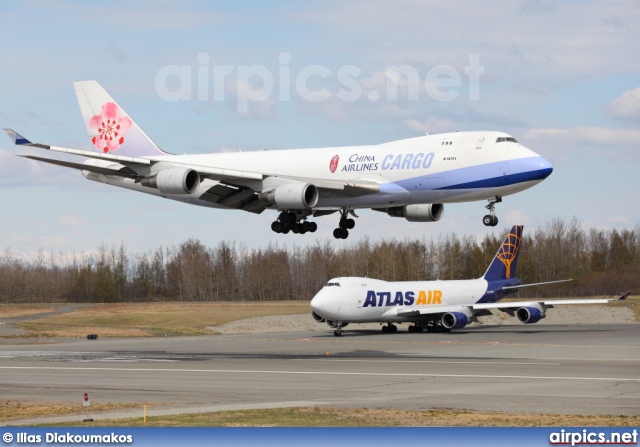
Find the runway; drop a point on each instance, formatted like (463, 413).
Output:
(572, 369)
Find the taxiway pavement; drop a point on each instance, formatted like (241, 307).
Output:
(570, 369)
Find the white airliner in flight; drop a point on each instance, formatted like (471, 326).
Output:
(435, 306)
(410, 178)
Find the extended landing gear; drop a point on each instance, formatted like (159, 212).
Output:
(416, 328)
(491, 220)
(436, 326)
(288, 221)
(338, 332)
(346, 224)
(390, 328)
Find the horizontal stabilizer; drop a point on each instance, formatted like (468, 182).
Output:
(524, 286)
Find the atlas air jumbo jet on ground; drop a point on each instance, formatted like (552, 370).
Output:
(435, 306)
(411, 178)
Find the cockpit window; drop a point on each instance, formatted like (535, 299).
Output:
(503, 139)
(331, 284)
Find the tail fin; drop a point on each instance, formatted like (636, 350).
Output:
(504, 263)
(109, 127)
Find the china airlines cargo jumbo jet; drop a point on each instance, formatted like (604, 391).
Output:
(437, 306)
(410, 178)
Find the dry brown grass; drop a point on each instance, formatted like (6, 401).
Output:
(348, 417)
(11, 410)
(155, 319)
(23, 310)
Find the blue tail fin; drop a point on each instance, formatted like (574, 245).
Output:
(504, 263)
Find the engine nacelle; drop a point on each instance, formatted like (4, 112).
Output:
(174, 181)
(454, 320)
(317, 317)
(418, 213)
(529, 315)
(292, 196)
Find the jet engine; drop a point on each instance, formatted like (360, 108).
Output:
(418, 213)
(529, 315)
(292, 196)
(454, 320)
(174, 181)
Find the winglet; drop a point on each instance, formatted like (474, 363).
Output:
(18, 139)
(624, 296)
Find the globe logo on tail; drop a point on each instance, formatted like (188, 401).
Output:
(509, 248)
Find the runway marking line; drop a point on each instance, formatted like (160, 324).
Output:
(427, 361)
(443, 342)
(322, 373)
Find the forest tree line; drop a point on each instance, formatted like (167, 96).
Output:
(600, 262)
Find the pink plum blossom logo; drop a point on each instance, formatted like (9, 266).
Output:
(109, 128)
(334, 163)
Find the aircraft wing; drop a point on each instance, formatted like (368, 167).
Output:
(19, 140)
(545, 303)
(125, 172)
(476, 309)
(231, 177)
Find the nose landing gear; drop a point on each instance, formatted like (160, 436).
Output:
(491, 220)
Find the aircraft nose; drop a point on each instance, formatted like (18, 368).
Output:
(317, 303)
(543, 167)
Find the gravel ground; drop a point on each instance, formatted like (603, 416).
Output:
(304, 322)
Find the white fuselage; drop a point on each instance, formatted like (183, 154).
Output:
(365, 300)
(443, 168)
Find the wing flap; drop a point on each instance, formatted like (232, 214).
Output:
(232, 196)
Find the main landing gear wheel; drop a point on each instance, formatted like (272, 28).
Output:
(340, 233)
(415, 328)
(288, 221)
(491, 220)
(345, 224)
(390, 328)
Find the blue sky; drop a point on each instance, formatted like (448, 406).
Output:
(562, 77)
